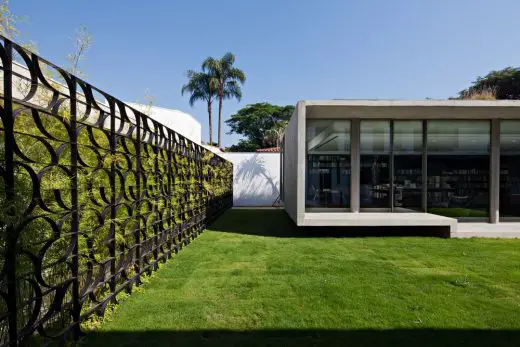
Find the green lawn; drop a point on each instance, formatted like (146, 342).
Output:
(254, 280)
(458, 212)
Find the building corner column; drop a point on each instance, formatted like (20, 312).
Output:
(301, 171)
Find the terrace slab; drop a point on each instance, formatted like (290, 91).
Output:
(500, 230)
(378, 219)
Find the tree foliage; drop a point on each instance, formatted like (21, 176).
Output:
(261, 124)
(9, 26)
(83, 43)
(8, 21)
(243, 146)
(505, 84)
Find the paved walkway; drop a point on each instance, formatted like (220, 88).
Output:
(501, 230)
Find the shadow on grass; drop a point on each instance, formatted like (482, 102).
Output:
(394, 337)
(276, 223)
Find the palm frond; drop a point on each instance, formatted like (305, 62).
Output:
(236, 74)
(228, 60)
(232, 90)
(212, 66)
(201, 86)
(196, 96)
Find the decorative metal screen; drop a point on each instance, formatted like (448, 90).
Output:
(93, 194)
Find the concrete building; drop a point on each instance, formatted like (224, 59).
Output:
(402, 163)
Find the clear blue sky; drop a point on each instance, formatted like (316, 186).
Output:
(289, 49)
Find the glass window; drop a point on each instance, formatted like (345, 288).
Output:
(328, 163)
(328, 136)
(408, 138)
(375, 156)
(510, 168)
(375, 137)
(458, 168)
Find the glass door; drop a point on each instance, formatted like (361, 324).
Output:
(509, 170)
(408, 148)
(458, 168)
(328, 164)
(374, 165)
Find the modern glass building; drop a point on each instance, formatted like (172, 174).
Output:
(420, 163)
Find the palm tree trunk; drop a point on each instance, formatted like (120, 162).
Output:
(210, 124)
(220, 97)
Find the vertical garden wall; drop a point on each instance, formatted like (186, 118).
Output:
(93, 195)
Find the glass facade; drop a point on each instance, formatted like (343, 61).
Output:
(408, 148)
(328, 163)
(374, 151)
(458, 167)
(509, 168)
(457, 164)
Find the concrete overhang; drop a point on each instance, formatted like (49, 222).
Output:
(412, 109)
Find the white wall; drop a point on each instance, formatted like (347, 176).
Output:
(256, 178)
(182, 122)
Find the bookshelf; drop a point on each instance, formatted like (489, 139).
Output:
(461, 186)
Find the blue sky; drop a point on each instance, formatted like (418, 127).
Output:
(289, 49)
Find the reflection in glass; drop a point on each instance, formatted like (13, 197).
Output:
(510, 168)
(375, 168)
(328, 163)
(408, 137)
(458, 168)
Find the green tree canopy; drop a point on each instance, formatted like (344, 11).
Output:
(242, 146)
(256, 122)
(504, 83)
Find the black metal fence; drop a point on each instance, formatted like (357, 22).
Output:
(94, 194)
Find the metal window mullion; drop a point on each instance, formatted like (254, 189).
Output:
(494, 173)
(424, 181)
(355, 165)
(391, 164)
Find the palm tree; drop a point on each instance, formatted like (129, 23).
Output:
(273, 137)
(201, 86)
(228, 79)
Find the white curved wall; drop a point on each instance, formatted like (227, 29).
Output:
(181, 122)
(256, 178)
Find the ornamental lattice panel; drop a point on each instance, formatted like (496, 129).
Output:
(94, 194)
